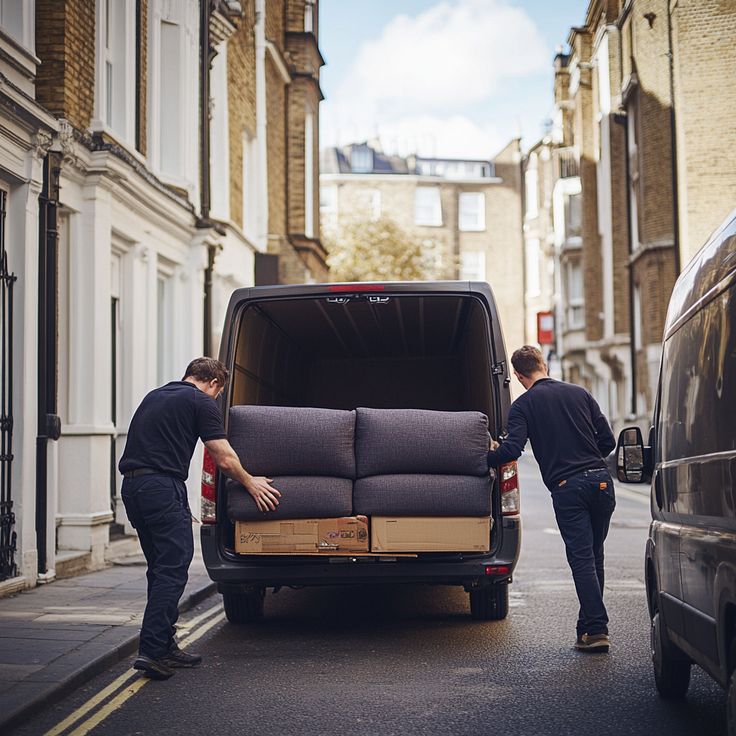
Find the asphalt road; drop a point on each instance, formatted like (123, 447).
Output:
(411, 661)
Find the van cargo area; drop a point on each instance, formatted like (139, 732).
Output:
(333, 392)
(386, 352)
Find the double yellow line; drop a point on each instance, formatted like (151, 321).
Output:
(123, 689)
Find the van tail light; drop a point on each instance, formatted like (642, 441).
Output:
(510, 499)
(209, 491)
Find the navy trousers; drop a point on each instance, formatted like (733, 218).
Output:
(158, 508)
(583, 506)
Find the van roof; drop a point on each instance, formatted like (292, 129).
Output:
(705, 276)
(363, 286)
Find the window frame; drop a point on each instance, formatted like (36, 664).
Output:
(123, 70)
(27, 37)
(478, 271)
(435, 219)
(479, 225)
(575, 304)
(185, 15)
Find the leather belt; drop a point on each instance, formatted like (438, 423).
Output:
(140, 471)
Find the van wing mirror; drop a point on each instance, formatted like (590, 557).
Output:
(632, 457)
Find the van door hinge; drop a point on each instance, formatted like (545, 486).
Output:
(498, 368)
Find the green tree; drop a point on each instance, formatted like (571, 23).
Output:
(362, 249)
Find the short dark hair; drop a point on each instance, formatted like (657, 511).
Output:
(527, 360)
(207, 369)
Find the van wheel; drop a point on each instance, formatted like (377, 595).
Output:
(490, 603)
(244, 607)
(671, 667)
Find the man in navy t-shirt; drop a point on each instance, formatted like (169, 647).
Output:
(570, 438)
(155, 463)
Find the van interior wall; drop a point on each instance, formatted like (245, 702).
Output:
(422, 352)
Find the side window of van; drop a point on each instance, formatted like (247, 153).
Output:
(699, 383)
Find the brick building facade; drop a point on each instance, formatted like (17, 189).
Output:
(644, 108)
(171, 153)
(468, 210)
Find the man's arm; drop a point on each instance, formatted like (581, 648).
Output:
(512, 447)
(226, 459)
(603, 436)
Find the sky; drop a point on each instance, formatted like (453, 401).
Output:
(447, 78)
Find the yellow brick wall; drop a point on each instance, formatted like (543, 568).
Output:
(650, 48)
(65, 42)
(241, 87)
(295, 16)
(705, 97)
(275, 108)
(585, 141)
(298, 100)
(275, 12)
(620, 231)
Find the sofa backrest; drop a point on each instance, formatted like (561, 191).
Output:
(284, 440)
(417, 441)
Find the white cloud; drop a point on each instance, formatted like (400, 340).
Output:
(418, 79)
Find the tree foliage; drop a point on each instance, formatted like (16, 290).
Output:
(365, 249)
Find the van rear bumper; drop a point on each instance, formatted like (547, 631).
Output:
(231, 572)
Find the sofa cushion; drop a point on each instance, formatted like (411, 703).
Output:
(390, 441)
(310, 497)
(285, 440)
(423, 495)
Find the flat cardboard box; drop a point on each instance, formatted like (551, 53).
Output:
(430, 534)
(302, 536)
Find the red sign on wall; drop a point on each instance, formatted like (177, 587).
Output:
(545, 328)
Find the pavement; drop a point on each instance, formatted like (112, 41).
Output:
(55, 637)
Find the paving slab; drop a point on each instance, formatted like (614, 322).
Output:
(55, 637)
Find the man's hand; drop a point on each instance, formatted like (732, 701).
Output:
(265, 496)
(494, 445)
(226, 459)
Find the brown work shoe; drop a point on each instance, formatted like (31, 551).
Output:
(595, 643)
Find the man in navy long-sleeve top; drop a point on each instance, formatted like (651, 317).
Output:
(570, 438)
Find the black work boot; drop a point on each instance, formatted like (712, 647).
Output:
(176, 657)
(155, 669)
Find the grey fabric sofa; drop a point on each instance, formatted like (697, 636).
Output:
(330, 463)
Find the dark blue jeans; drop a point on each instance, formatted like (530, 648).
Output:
(158, 508)
(583, 506)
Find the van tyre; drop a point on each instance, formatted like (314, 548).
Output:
(244, 607)
(671, 667)
(490, 603)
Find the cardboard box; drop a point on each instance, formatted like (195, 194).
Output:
(302, 536)
(430, 534)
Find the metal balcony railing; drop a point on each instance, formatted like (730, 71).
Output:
(568, 163)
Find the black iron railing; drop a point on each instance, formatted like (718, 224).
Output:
(8, 536)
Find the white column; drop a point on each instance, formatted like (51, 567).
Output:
(84, 463)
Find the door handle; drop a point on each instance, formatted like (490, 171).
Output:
(658, 489)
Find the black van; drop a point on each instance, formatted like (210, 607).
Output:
(436, 346)
(691, 462)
